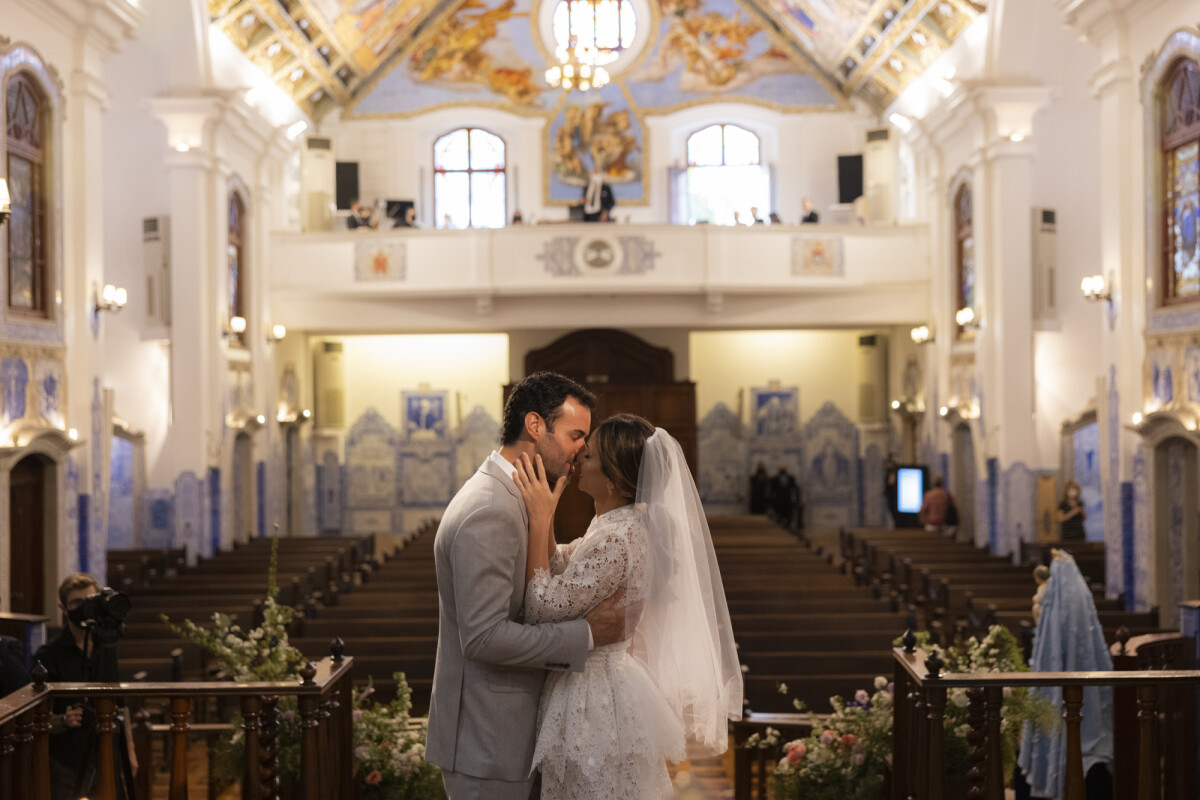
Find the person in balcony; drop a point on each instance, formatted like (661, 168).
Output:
(1071, 514)
(360, 217)
(810, 215)
(598, 199)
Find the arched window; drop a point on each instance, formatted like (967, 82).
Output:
(469, 180)
(28, 234)
(1181, 162)
(235, 276)
(726, 178)
(597, 30)
(964, 260)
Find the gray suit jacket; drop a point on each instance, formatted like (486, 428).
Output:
(490, 666)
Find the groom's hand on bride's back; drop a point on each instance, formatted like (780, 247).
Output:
(612, 622)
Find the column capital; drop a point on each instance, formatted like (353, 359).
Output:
(104, 23)
(1111, 75)
(1096, 20)
(86, 86)
(1009, 107)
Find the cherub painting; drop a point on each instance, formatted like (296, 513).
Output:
(718, 49)
(457, 53)
(588, 139)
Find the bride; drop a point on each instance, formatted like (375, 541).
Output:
(608, 731)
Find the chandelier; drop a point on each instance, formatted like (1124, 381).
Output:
(575, 71)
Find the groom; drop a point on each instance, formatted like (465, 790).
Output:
(490, 666)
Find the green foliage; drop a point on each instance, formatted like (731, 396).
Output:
(389, 746)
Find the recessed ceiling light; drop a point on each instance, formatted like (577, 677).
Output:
(296, 75)
(318, 94)
(303, 24)
(248, 19)
(273, 49)
(919, 38)
(944, 9)
(896, 64)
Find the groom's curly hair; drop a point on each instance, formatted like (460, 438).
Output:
(544, 394)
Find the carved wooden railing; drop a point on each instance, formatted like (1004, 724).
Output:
(323, 698)
(921, 688)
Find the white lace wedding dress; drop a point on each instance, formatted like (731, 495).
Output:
(607, 732)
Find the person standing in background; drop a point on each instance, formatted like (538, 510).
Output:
(935, 507)
(1071, 514)
(759, 484)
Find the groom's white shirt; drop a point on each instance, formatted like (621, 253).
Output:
(490, 666)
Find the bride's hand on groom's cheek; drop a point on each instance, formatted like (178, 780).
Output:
(540, 499)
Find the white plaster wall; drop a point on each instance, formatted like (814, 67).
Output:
(472, 367)
(136, 185)
(1066, 179)
(824, 364)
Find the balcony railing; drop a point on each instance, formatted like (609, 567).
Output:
(918, 760)
(323, 696)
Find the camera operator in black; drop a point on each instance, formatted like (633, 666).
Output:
(75, 657)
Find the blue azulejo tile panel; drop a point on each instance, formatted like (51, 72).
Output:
(159, 513)
(1086, 443)
(1128, 568)
(120, 496)
(1143, 545)
(830, 479)
(722, 456)
(213, 540)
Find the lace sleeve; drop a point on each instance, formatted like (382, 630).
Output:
(562, 554)
(597, 571)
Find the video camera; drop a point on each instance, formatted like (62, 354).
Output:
(103, 613)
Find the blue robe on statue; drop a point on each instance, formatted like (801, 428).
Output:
(1068, 638)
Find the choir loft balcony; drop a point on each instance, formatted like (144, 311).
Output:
(573, 275)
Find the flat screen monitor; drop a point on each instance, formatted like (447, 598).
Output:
(910, 489)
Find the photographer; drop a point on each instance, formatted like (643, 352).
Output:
(75, 656)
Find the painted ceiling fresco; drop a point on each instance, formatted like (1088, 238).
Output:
(402, 57)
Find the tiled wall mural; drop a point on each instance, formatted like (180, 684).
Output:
(1143, 546)
(1087, 475)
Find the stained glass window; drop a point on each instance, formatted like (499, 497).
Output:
(964, 244)
(469, 188)
(1181, 180)
(725, 179)
(27, 228)
(598, 30)
(235, 278)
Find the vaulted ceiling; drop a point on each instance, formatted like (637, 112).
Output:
(326, 53)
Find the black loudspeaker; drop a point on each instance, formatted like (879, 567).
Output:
(850, 178)
(347, 183)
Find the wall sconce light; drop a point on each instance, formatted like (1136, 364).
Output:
(965, 317)
(237, 326)
(1095, 288)
(277, 334)
(921, 334)
(5, 202)
(1137, 418)
(111, 299)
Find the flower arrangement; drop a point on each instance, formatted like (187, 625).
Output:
(998, 651)
(849, 754)
(389, 746)
(389, 749)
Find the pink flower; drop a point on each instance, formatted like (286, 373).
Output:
(374, 778)
(357, 714)
(849, 740)
(796, 752)
(861, 697)
(828, 736)
(859, 758)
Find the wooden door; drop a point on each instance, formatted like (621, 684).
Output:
(628, 376)
(28, 532)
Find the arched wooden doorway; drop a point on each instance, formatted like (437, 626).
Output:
(32, 524)
(1177, 531)
(628, 376)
